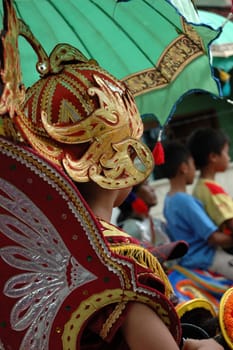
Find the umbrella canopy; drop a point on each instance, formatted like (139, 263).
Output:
(147, 43)
(222, 47)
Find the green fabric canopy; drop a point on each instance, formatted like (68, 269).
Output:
(223, 45)
(126, 38)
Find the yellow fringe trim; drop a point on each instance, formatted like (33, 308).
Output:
(145, 259)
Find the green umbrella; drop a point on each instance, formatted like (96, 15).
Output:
(147, 43)
(222, 47)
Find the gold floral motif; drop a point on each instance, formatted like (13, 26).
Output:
(176, 56)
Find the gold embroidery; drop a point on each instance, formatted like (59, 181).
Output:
(139, 254)
(112, 319)
(174, 59)
(96, 302)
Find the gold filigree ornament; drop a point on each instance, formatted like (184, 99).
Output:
(76, 115)
(12, 90)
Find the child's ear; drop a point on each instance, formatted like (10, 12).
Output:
(212, 157)
(184, 168)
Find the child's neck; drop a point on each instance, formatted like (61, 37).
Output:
(100, 201)
(101, 209)
(177, 185)
(208, 173)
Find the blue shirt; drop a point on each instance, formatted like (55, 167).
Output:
(187, 220)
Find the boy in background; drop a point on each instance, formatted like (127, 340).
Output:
(187, 219)
(210, 151)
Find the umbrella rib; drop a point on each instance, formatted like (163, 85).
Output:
(18, 11)
(162, 15)
(69, 25)
(122, 29)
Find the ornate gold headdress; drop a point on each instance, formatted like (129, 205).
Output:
(77, 115)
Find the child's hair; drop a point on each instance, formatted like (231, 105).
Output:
(204, 141)
(175, 154)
